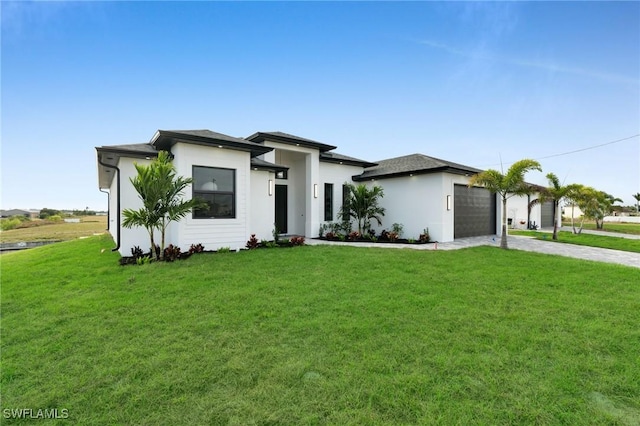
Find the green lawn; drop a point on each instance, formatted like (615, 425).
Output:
(614, 243)
(321, 335)
(623, 227)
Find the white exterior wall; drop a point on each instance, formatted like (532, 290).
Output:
(262, 210)
(517, 209)
(129, 199)
(337, 174)
(415, 202)
(213, 233)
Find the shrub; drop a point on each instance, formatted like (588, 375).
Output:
(7, 224)
(276, 234)
(297, 241)
(55, 218)
(322, 229)
(252, 243)
(224, 250)
(143, 260)
(136, 252)
(424, 237)
(171, 253)
(331, 235)
(398, 229)
(392, 236)
(196, 248)
(355, 235)
(271, 244)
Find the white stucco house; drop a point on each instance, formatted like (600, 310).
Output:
(276, 179)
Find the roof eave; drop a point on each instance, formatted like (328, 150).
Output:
(259, 137)
(404, 173)
(164, 139)
(364, 164)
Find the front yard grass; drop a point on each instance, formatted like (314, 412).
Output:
(321, 335)
(621, 227)
(613, 243)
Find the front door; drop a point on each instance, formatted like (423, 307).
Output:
(281, 208)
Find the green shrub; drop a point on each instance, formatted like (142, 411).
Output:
(7, 224)
(55, 218)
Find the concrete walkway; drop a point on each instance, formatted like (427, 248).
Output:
(517, 243)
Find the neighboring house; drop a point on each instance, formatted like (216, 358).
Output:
(274, 179)
(14, 212)
(570, 209)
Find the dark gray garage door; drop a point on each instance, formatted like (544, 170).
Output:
(546, 212)
(474, 212)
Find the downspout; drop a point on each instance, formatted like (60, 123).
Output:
(108, 205)
(528, 211)
(117, 247)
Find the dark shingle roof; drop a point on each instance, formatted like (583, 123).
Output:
(334, 157)
(164, 139)
(413, 164)
(134, 148)
(257, 163)
(289, 139)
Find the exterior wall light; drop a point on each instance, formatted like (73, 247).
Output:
(448, 202)
(315, 190)
(270, 187)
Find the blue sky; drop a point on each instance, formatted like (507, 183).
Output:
(474, 83)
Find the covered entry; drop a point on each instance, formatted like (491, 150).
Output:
(474, 212)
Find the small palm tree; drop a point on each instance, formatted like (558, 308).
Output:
(554, 192)
(507, 185)
(161, 193)
(362, 205)
(637, 197)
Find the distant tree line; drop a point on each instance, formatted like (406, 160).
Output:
(46, 213)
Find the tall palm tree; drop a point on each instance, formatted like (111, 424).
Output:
(507, 185)
(363, 205)
(637, 197)
(161, 193)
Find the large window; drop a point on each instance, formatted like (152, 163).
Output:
(328, 202)
(217, 187)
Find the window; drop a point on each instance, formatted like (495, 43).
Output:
(328, 202)
(217, 187)
(282, 174)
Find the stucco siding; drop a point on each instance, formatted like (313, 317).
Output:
(129, 199)
(336, 174)
(262, 204)
(415, 202)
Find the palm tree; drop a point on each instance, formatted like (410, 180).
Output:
(637, 197)
(598, 205)
(148, 215)
(554, 192)
(507, 185)
(161, 193)
(362, 205)
(574, 195)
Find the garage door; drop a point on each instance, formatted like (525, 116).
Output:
(474, 212)
(546, 213)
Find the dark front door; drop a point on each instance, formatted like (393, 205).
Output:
(281, 208)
